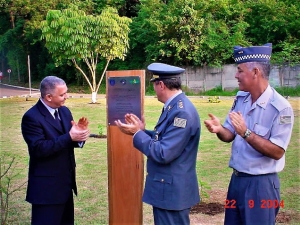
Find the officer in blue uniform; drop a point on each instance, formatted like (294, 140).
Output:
(171, 148)
(259, 125)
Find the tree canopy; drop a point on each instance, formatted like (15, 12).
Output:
(179, 32)
(73, 36)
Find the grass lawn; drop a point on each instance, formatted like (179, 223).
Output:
(91, 205)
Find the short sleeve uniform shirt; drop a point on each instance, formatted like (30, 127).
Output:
(270, 117)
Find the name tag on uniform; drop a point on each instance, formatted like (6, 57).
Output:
(285, 119)
(179, 122)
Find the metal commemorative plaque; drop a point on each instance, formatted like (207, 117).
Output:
(124, 96)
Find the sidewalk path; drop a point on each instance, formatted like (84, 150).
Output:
(7, 91)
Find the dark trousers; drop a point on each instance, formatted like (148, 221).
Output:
(252, 200)
(171, 217)
(59, 214)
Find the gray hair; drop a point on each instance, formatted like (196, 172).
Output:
(49, 83)
(264, 67)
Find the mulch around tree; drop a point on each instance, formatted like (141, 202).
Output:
(211, 208)
(214, 208)
(98, 135)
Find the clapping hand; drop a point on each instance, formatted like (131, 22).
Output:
(79, 131)
(132, 125)
(83, 123)
(213, 124)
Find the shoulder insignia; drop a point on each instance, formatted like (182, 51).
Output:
(234, 103)
(179, 122)
(239, 94)
(180, 104)
(285, 119)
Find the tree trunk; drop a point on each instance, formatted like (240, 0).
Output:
(94, 97)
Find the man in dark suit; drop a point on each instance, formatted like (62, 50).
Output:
(171, 148)
(51, 135)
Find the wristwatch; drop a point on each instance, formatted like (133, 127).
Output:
(247, 133)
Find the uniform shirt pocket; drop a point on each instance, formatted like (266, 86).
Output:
(261, 130)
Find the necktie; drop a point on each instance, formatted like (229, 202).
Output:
(57, 119)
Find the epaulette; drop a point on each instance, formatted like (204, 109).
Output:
(280, 103)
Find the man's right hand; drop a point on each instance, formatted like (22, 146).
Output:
(83, 123)
(213, 124)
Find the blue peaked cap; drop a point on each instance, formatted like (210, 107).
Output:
(252, 53)
(164, 71)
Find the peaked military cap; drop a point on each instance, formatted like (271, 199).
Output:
(252, 53)
(164, 71)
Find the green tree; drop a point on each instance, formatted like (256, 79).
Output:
(72, 37)
(189, 32)
(12, 45)
(125, 7)
(22, 37)
(224, 28)
(277, 22)
(168, 32)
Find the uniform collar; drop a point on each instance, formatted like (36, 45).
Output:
(263, 100)
(170, 99)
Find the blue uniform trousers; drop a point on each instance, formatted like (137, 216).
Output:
(252, 199)
(171, 217)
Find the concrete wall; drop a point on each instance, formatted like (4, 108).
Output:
(205, 78)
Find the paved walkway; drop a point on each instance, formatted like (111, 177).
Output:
(8, 91)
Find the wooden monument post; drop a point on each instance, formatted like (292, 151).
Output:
(124, 94)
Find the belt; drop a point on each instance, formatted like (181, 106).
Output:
(241, 174)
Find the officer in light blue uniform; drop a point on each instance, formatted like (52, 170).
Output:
(259, 124)
(171, 148)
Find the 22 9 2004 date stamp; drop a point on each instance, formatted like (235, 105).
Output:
(264, 204)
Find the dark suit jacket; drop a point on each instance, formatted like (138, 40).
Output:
(51, 176)
(171, 151)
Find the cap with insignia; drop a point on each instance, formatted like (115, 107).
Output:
(164, 71)
(252, 53)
